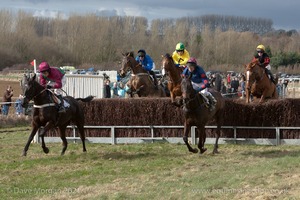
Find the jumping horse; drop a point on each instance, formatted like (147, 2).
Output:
(140, 82)
(174, 78)
(197, 114)
(258, 84)
(45, 113)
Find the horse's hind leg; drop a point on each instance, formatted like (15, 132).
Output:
(33, 132)
(62, 132)
(82, 136)
(218, 133)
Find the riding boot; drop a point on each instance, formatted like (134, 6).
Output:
(154, 79)
(213, 101)
(61, 105)
(270, 75)
(205, 99)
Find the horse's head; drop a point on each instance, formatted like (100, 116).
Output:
(254, 71)
(167, 62)
(127, 63)
(31, 89)
(187, 89)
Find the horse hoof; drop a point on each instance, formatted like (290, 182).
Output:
(46, 150)
(195, 150)
(215, 151)
(24, 153)
(202, 150)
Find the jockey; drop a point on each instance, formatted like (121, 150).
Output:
(53, 78)
(264, 60)
(200, 82)
(180, 55)
(147, 63)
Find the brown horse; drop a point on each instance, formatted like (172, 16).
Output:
(140, 82)
(45, 113)
(258, 84)
(197, 114)
(174, 78)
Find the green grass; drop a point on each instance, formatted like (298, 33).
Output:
(146, 171)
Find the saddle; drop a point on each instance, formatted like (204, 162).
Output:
(56, 100)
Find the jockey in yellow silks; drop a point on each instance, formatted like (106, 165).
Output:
(180, 55)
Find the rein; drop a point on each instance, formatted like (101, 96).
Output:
(194, 100)
(43, 105)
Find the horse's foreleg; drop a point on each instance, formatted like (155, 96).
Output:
(42, 132)
(45, 149)
(202, 138)
(32, 134)
(187, 129)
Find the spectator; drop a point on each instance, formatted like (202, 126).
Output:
(121, 90)
(243, 85)
(234, 85)
(7, 98)
(107, 89)
(279, 87)
(18, 106)
(115, 90)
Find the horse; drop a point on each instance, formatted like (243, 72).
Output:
(197, 114)
(45, 113)
(140, 81)
(258, 84)
(174, 80)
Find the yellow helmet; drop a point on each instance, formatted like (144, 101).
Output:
(261, 47)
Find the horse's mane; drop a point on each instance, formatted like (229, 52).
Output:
(130, 53)
(167, 55)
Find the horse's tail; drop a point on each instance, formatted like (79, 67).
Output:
(86, 99)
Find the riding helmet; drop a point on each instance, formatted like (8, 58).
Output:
(44, 66)
(141, 52)
(180, 47)
(192, 61)
(260, 47)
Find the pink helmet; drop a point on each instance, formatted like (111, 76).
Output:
(192, 60)
(44, 66)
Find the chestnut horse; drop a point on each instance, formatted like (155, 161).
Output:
(258, 84)
(45, 113)
(140, 82)
(174, 78)
(197, 114)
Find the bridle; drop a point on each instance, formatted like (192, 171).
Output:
(131, 66)
(256, 80)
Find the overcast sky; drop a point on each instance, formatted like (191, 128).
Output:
(285, 14)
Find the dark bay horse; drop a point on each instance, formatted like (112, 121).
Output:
(140, 81)
(258, 84)
(45, 113)
(174, 78)
(197, 114)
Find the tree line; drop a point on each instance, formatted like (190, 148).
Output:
(218, 42)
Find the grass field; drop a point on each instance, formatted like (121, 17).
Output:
(146, 171)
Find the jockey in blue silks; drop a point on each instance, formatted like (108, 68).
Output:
(200, 82)
(147, 63)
